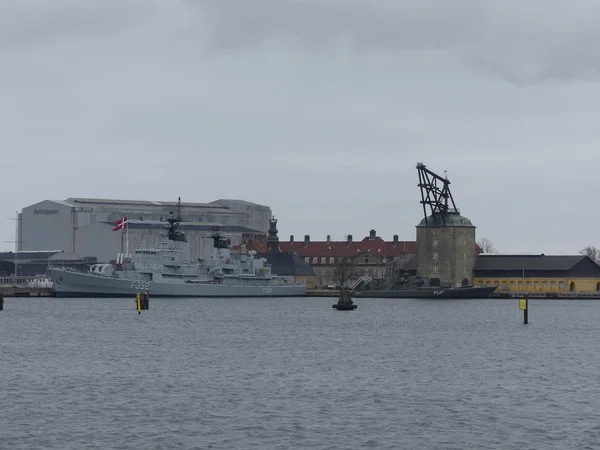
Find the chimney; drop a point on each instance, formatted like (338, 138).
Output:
(306, 240)
(349, 240)
(328, 239)
(291, 238)
(372, 235)
(395, 240)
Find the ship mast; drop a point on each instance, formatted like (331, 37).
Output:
(174, 221)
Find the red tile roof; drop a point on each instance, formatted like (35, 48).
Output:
(376, 246)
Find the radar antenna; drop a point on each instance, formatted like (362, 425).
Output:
(435, 193)
(218, 240)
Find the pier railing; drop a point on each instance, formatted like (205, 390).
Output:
(18, 281)
(548, 295)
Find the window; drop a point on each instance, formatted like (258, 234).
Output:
(545, 284)
(496, 283)
(561, 285)
(513, 284)
(520, 285)
(504, 285)
(481, 284)
(307, 259)
(435, 243)
(435, 269)
(488, 283)
(529, 284)
(435, 256)
(331, 260)
(537, 284)
(323, 259)
(366, 259)
(464, 256)
(553, 284)
(315, 259)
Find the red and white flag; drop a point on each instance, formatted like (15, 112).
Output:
(121, 223)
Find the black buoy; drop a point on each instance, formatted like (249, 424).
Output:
(345, 302)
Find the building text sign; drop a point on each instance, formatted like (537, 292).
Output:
(46, 212)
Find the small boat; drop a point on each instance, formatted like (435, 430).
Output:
(417, 287)
(440, 293)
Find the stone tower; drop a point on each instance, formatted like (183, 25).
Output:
(272, 238)
(446, 249)
(445, 239)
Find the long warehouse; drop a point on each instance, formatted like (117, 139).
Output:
(83, 227)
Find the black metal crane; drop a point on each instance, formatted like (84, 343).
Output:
(435, 193)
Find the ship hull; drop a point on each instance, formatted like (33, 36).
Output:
(76, 284)
(440, 293)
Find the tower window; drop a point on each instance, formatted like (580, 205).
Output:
(435, 269)
(435, 243)
(435, 255)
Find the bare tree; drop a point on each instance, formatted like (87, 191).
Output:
(344, 271)
(592, 252)
(487, 246)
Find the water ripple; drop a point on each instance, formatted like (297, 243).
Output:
(279, 374)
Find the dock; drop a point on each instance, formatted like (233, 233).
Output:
(322, 293)
(564, 295)
(26, 287)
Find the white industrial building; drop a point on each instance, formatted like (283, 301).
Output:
(83, 226)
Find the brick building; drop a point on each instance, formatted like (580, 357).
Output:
(372, 256)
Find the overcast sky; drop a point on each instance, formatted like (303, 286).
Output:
(318, 108)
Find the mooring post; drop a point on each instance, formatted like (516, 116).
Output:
(523, 304)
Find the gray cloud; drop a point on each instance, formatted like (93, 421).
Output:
(521, 42)
(319, 109)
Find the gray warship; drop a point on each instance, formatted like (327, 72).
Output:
(166, 271)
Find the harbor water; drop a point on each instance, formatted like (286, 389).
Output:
(296, 374)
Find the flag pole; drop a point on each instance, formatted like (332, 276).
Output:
(127, 237)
